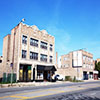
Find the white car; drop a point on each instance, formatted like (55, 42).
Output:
(59, 77)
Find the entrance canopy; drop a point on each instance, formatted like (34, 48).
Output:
(46, 68)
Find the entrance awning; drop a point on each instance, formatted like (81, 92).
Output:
(46, 68)
(95, 72)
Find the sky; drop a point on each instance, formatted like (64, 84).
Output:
(75, 24)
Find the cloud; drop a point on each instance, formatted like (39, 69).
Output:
(62, 39)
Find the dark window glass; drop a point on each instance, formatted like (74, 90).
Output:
(34, 55)
(51, 59)
(24, 53)
(24, 39)
(51, 47)
(43, 57)
(33, 42)
(0, 61)
(43, 45)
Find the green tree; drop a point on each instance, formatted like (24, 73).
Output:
(97, 67)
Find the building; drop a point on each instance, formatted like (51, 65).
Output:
(29, 53)
(1, 58)
(97, 60)
(77, 64)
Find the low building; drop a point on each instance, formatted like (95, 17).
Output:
(29, 53)
(77, 64)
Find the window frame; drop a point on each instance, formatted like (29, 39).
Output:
(43, 57)
(24, 53)
(24, 39)
(44, 45)
(33, 55)
(34, 42)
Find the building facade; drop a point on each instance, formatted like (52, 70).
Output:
(1, 58)
(77, 64)
(29, 53)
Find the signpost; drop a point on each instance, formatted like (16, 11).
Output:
(11, 65)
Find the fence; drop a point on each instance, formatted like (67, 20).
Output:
(7, 78)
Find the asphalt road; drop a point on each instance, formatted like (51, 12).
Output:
(65, 91)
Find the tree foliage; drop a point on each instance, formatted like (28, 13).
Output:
(97, 66)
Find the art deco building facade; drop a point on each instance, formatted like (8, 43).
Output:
(29, 53)
(77, 64)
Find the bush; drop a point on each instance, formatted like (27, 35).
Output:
(68, 78)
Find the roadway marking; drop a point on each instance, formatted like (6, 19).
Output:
(4, 97)
(14, 96)
(50, 94)
(43, 95)
(57, 90)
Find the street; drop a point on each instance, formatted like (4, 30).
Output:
(64, 91)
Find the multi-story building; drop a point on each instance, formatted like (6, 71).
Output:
(77, 64)
(1, 66)
(29, 53)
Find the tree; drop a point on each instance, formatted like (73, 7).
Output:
(97, 67)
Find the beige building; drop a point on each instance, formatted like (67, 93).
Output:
(29, 53)
(1, 58)
(97, 60)
(77, 64)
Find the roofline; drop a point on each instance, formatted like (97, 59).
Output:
(6, 35)
(78, 50)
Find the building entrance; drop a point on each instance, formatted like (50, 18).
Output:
(25, 73)
(85, 76)
(45, 72)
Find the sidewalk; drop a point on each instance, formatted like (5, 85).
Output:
(29, 84)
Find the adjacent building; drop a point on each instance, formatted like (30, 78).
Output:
(97, 60)
(77, 64)
(29, 53)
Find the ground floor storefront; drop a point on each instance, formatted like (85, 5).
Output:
(90, 75)
(28, 73)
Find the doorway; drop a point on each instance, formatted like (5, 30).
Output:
(25, 73)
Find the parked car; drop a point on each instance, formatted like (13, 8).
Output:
(59, 77)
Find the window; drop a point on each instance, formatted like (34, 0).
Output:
(24, 53)
(51, 59)
(84, 57)
(24, 39)
(33, 42)
(43, 45)
(43, 57)
(0, 61)
(66, 58)
(51, 47)
(34, 55)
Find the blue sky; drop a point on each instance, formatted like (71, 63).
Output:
(74, 23)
